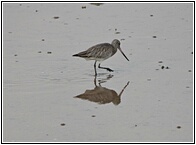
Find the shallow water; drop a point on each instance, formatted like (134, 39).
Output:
(41, 78)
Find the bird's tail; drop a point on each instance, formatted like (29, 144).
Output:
(75, 55)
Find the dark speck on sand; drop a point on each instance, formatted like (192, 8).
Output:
(62, 124)
(167, 67)
(56, 17)
(178, 127)
(96, 4)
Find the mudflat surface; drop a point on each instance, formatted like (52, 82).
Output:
(41, 78)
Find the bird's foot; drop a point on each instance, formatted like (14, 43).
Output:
(110, 70)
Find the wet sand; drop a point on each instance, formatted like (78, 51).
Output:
(41, 79)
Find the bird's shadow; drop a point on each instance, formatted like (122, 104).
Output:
(102, 95)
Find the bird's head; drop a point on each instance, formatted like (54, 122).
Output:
(116, 44)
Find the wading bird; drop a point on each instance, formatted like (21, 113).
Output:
(101, 52)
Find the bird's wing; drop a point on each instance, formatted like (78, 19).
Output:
(100, 50)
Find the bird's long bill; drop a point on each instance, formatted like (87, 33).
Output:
(123, 54)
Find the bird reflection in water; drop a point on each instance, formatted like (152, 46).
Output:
(102, 95)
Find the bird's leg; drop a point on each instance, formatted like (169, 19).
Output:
(105, 68)
(95, 68)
